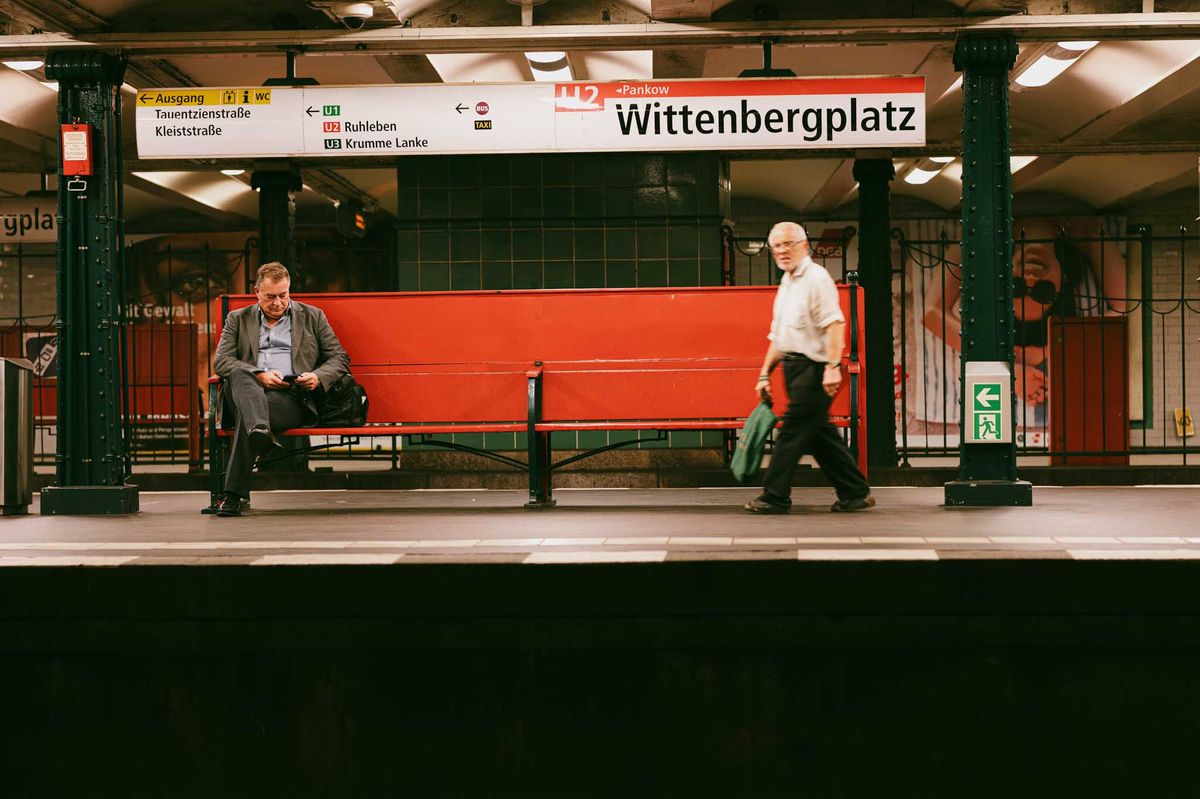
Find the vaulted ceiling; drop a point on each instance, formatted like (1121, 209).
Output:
(1120, 126)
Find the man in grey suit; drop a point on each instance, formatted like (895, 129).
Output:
(273, 356)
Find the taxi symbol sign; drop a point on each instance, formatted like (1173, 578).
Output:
(483, 124)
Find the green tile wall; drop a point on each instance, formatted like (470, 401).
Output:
(562, 221)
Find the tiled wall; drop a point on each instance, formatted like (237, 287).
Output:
(562, 221)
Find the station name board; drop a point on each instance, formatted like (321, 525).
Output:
(734, 114)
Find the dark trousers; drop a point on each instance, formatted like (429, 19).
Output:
(254, 406)
(806, 430)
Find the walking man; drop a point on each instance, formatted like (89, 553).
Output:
(807, 336)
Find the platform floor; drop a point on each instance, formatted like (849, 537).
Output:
(617, 525)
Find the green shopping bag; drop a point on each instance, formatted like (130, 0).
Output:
(747, 458)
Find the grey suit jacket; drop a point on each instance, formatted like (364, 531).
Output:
(315, 347)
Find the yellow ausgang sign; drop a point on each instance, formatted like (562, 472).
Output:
(200, 97)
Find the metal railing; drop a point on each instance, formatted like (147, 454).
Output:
(1105, 328)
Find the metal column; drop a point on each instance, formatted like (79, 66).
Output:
(875, 276)
(92, 462)
(277, 184)
(987, 473)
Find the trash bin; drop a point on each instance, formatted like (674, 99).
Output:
(16, 436)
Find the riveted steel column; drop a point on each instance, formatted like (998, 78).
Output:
(987, 473)
(92, 460)
(277, 184)
(875, 276)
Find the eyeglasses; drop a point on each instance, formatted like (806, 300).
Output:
(1042, 291)
(785, 245)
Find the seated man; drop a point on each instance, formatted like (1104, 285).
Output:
(260, 346)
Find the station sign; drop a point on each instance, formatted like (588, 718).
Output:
(330, 121)
(29, 219)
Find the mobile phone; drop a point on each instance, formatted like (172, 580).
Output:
(290, 378)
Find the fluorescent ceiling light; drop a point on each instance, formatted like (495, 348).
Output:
(1052, 64)
(24, 64)
(1042, 71)
(49, 84)
(918, 176)
(549, 66)
(1018, 162)
(941, 159)
(233, 173)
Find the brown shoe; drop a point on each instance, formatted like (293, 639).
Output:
(848, 505)
(762, 506)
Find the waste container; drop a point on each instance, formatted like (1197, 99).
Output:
(16, 436)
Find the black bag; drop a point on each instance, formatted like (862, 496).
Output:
(345, 404)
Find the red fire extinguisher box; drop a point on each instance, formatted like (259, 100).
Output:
(1088, 359)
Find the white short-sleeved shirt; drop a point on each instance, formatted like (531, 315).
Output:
(805, 304)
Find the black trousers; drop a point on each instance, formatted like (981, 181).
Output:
(806, 430)
(254, 406)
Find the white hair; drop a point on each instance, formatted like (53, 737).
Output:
(803, 235)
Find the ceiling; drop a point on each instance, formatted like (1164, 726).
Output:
(1120, 127)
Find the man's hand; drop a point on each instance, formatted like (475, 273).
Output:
(308, 381)
(762, 388)
(832, 379)
(271, 379)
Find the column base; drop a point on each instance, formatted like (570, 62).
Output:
(89, 500)
(989, 493)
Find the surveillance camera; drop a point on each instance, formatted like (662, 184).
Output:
(353, 15)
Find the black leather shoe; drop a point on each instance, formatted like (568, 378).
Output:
(760, 505)
(848, 505)
(263, 441)
(232, 505)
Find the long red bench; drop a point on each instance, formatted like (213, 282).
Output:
(536, 362)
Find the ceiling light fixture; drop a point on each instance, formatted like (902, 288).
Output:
(233, 173)
(1052, 63)
(24, 64)
(925, 169)
(1018, 162)
(550, 66)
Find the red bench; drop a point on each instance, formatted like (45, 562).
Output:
(653, 359)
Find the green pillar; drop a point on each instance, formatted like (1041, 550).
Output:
(277, 184)
(875, 276)
(987, 473)
(92, 461)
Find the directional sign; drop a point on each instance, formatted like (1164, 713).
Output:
(243, 122)
(987, 396)
(768, 113)
(988, 411)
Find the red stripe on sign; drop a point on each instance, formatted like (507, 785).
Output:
(749, 87)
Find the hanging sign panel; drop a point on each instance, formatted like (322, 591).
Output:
(752, 114)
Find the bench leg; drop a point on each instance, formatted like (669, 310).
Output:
(216, 457)
(540, 483)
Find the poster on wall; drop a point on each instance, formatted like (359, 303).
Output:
(1082, 273)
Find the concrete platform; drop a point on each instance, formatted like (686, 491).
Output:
(613, 525)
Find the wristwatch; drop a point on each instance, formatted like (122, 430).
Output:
(833, 365)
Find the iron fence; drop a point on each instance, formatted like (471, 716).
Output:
(1105, 334)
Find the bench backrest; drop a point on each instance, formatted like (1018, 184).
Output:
(661, 353)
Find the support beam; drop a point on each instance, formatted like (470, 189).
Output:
(92, 461)
(277, 184)
(987, 473)
(874, 174)
(642, 36)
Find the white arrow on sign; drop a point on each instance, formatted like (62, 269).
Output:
(985, 397)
